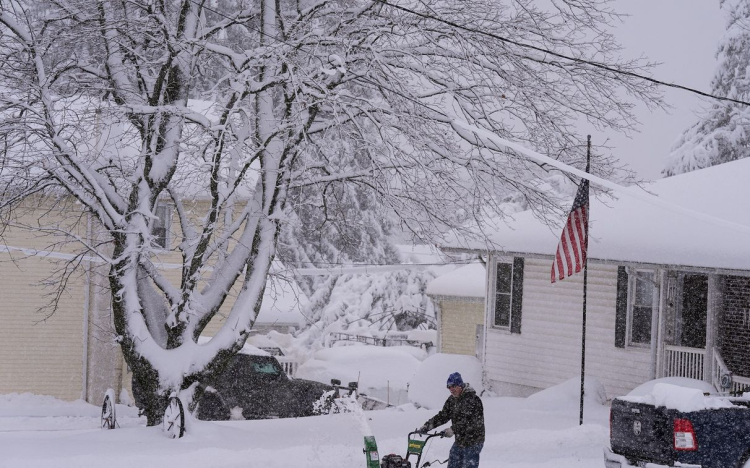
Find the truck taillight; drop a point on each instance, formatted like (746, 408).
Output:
(684, 435)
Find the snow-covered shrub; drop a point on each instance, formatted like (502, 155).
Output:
(428, 389)
(567, 395)
(381, 372)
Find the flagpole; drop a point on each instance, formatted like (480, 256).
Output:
(585, 286)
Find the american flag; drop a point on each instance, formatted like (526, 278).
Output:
(571, 251)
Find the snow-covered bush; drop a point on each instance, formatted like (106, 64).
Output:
(381, 372)
(370, 305)
(567, 395)
(428, 389)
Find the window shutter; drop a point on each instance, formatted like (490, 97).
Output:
(621, 307)
(515, 316)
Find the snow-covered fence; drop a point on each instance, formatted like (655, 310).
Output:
(375, 341)
(288, 364)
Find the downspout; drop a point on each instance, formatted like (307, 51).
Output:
(489, 299)
(439, 315)
(86, 310)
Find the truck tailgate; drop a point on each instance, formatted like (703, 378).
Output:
(641, 432)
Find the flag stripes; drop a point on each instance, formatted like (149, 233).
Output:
(571, 250)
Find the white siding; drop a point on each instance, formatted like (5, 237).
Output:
(548, 350)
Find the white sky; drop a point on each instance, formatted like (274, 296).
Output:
(682, 35)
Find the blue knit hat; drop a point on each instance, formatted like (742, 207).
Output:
(455, 379)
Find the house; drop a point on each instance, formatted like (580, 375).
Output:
(668, 289)
(72, 353)
(459, 297)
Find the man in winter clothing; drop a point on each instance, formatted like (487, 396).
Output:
(465, 411)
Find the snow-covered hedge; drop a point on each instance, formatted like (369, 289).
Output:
(374, 367)
(567, 395)
(428, 389)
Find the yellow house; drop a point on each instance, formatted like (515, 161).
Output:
(72, 353)
(459, 300)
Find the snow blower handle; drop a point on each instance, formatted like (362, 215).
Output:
(417, 442)
(428, 435)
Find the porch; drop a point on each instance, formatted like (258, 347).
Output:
(695, 363)
(703, 321)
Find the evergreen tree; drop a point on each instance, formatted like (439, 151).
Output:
(722, 133)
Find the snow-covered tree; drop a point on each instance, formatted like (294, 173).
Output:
(369, 305)
(246, 114)
(723, 132)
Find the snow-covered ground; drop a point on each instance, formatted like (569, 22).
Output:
(42, 432)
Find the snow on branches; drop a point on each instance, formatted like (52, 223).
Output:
(247, 115)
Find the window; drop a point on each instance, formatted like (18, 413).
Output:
(160, 226)
(503, 294)
(266, 368)
(508, 295)
(642, 308)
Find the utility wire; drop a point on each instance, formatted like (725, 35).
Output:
(562, 56)
(508, 41)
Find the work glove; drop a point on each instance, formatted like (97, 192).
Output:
(448, 432)
(423, 429)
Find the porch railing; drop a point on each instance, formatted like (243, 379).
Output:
(288, 364)
(740, 385)
(684, 362)
(737, 385)
(719, 370)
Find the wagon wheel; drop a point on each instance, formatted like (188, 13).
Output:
(109, 419)
(174, 419)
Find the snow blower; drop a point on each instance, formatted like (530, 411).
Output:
(415, 448)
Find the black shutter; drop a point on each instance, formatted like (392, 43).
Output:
(621, 307)
(517, 301)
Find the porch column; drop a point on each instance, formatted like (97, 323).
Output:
(713, 312)
(658, 336)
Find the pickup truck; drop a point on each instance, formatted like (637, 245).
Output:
(710, 432)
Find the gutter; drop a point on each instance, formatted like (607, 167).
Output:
(635, 264)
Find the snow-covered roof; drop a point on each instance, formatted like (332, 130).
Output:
(283, 302)
(467, 281)
(631, 230)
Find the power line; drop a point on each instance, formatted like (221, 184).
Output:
(508, 41)
(562, 56)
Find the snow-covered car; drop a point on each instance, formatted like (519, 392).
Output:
(256, 387)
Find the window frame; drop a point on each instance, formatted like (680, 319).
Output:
(167, 221)
(493, 315)
(633, 277)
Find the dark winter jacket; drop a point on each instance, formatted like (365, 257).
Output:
(466, 414)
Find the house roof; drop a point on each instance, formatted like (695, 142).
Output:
(628, 229)
(467, 281)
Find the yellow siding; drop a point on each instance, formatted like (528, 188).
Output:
(46, 356)
(36, 355)
(458, 325)
(41, 354)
